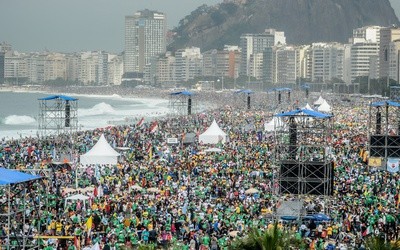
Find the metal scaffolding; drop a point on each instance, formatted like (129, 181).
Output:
(18, 198)
(182, 103)
(384, 133)
(302, 152)
(58, 114)
(243, 98)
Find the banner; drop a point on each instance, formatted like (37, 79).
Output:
(375, 162)
(393, 165)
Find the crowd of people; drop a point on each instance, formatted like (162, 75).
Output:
(178, 196)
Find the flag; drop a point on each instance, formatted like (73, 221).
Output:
(393, 165)
(375, 162)
(76, 243)
(154, 127)
(151, 153)
(140, 123)
(89, 224)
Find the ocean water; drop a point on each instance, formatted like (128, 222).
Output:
(19, 111)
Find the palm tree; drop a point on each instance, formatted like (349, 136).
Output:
(272, 239)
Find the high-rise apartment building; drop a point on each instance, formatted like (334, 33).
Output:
(253, 45)
(364, 60)
(327, 61)
(188, 63)
(222, 63)
(387, 36)
(145, 38)
(2, 54)
(282, 65)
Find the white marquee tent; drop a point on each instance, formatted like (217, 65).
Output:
(213, 135)
(274, 123)
(101, 153)
(324, 107)
(308, 107)
(319, 101)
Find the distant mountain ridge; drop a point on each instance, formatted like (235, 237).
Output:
(303, 21)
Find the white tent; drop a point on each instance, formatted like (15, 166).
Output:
(324, 107)
(308, 107)
(213, 135)
(274, 123)
(101, 153)
(319, 101)
(76, 197)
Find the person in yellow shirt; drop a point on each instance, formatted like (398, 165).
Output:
(59, 227)
(329, 231)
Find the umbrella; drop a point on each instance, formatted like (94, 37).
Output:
(136, 187)
(153, 190)
(251, 191)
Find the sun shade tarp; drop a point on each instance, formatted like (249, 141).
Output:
(8, 176)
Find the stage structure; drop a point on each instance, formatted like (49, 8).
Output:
(282, 96)
(243, 97)
(306, 89)
(384, 135)
(182, 103)
(302, 153)
(17, 189)
(58, 114)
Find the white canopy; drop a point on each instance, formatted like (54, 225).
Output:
(319, 101)
(213, 135)
(274, 123)
(101, 153)
(324, 107)
(76, 197)
(308, 107)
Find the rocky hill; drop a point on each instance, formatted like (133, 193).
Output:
(303, 21)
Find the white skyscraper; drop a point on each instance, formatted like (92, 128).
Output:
(145, 37)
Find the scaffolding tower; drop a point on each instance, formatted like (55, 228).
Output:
(302, 152)
(243, 98)
(58, 114)
(384, 134)
(16, 189)
(182, 103)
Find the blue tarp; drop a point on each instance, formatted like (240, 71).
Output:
(63, 97)
(304, 112)
(245, 91)
(187, 93)
(8, 176)
(321, 217)
(384, 103)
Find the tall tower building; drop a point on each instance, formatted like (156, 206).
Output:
(145, 38)
(387, 36)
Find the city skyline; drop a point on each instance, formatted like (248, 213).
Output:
(83, 25)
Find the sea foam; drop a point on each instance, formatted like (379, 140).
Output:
(19, 120)
(98, 109)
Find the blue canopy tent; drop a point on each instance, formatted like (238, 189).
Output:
(8, 180)
(246, 93)
(304, 112)
(385, 103)
(185, 93)
(181, 101)
(9, 177)
(62, 97)
(279, 91)
(321, 217)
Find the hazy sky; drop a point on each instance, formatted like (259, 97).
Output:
(77, 25)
